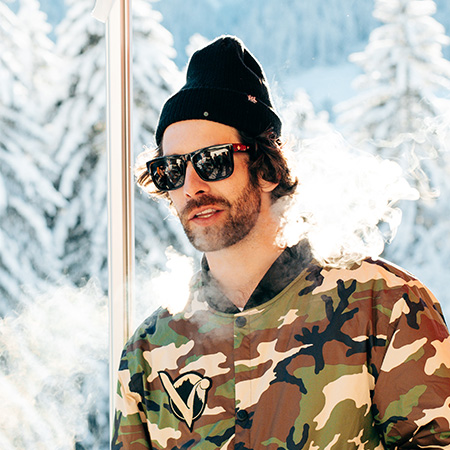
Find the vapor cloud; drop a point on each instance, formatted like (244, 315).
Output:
(346, 201)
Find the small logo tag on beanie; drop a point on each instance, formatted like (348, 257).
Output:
(252, 99)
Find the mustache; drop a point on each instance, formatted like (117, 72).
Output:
(204, 200)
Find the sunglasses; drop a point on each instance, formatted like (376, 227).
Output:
(210, 163)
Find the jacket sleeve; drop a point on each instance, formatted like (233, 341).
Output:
(412, 391)
(130, 431)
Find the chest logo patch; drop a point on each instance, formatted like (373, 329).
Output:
(187, 395)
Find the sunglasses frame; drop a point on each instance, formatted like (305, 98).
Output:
(188, 157)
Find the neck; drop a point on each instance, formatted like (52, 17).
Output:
(238, 269)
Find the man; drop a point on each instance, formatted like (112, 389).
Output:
(273, 350)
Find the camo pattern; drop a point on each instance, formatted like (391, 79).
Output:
(339, 359)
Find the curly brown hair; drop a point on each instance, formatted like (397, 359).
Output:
(267, 161)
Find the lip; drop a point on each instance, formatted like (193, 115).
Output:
(205, 214)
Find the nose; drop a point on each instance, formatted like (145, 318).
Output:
(193, 184)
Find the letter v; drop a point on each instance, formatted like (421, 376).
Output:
(186, 412)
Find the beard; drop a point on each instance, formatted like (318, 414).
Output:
(241, 217)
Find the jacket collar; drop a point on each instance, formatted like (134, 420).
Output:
(281, 273)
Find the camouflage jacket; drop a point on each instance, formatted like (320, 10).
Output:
(319, 359)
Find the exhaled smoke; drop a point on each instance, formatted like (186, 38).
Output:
(54, 373)
(168, 288)
(439, 127)
(345, 203)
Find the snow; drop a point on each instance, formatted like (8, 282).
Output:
(331, 66)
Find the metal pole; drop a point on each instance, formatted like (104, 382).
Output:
(120, 184)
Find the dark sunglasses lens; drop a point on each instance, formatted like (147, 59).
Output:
(167, 173)
(213, 164)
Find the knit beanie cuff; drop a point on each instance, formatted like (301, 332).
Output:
(241, 111)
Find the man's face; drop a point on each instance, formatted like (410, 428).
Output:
(215, 215)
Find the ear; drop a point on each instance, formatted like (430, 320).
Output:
(267, 186)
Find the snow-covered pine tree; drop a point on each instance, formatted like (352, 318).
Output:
(432, 250)
(155, 77)
(403, 72)
(301, 121)
(39, 59)
(283, 34)
(77, 125)
(27, 198)
(78, 122)
(443, 16)
(404, 76)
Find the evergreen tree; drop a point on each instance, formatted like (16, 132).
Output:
(27, 198)
(155, 77)
(301, 121)
(404, 70)
(78, 121)
(283, 34)
(40, 63)
(443, 16)
(404, 73)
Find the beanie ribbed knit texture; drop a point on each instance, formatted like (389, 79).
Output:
(226, 84)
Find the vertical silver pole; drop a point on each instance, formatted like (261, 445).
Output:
(120, 184)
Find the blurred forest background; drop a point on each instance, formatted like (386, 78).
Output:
(375, 71)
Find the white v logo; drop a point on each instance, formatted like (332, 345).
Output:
(187, 393)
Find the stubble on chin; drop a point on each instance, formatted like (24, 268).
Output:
(204, 239)
(238, 220)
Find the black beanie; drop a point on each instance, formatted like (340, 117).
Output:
(225, 83)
